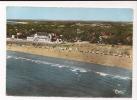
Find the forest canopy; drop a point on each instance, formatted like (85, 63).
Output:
(94, 32)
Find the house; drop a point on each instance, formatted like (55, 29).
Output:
(13, 36)
(45, 38)
(103, 36)
(39, 38)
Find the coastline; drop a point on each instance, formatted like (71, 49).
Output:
(107, 60)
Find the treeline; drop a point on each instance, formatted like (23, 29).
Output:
(94, 32)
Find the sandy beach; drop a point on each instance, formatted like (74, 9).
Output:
(97, 58)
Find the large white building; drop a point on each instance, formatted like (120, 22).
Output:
(38, 38)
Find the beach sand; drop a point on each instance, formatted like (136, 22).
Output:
(108, 60)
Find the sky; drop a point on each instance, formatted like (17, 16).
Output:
(60, 13)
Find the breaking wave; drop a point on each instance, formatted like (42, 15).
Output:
(123, 78)
(74, 69)
(8, 57)
(113, 76)
(102, 74)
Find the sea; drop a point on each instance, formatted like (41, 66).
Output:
(34, 75)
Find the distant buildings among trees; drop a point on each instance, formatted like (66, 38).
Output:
(94, 32)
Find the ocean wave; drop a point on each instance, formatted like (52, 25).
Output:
(121, 77)
(113, 76)
(72, 68)
(75, 69)
(101, 73)
(78, 69)
(8, 57)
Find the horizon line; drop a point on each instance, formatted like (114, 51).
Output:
(69, 20)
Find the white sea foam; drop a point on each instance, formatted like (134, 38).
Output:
(8, 57)
(121, 77)
(102, 74)
(72, 68)
(56, 65)
(113, 76)
(61, 66)
(78, 69)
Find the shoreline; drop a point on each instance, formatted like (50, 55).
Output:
(107, 60)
